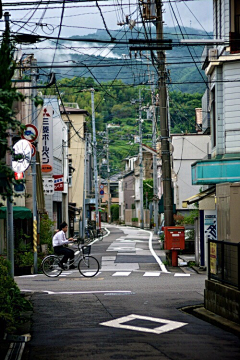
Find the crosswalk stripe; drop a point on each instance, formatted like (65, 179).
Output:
(151, 273)
(122, 273)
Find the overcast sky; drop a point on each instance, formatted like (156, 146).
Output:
(85, 18)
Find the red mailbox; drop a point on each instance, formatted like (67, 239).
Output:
(174, 238)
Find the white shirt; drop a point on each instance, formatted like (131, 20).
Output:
(59, 239)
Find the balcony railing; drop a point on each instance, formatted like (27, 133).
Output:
(224, 262)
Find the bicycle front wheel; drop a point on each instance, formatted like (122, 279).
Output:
(51, 267)
(88, 266)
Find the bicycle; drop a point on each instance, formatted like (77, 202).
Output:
(88, 265)
(91, 234)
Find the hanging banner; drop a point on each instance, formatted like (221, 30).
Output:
(58, 182)
(47, 140)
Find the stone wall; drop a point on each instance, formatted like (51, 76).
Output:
(222, 300)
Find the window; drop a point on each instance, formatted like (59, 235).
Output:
(235, 27)
(213, 116)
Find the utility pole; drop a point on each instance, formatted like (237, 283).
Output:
(34, 166)
(108, 178)
(141, 163)
(155, 188)
(9, 217)
(95, 159)
(165, 148)
(84, 187)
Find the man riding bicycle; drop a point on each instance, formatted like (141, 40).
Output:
(58, 242)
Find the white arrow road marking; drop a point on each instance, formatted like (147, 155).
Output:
(168, 325)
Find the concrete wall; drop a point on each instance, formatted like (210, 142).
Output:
(187, 149)
(222, 300)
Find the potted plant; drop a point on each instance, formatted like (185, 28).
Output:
(24, 263)
(135, 221)
(46, 233)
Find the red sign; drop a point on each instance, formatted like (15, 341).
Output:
(58, 183)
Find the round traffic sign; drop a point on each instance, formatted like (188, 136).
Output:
(30, 133)
(33, 150)
(101, 192)
(101, 186)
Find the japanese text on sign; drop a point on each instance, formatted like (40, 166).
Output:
(47, 140)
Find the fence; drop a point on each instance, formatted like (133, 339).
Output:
(224, 262)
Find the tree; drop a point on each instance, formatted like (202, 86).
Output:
(8, 122)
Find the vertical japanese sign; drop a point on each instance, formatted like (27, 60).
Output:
(213, 258)
(47, 140)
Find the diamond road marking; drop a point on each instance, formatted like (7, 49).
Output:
(149, 273)
(167, 325)
(122, 273)
(177, 274)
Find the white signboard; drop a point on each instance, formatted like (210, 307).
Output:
(47, 140)
(48, 185)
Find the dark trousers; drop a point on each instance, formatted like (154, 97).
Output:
(66, 252)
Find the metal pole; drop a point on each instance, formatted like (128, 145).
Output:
(84, 187)
(141, 163)
(154, 145)
(9, 215)
(34, 167)
(165, 148)
(95, 159)
(108, 178)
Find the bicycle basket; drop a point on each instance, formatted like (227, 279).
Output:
(86, 250)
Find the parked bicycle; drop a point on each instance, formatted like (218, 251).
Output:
(88, 265)
(92, 234)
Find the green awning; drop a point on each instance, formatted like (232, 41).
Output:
(19, 212)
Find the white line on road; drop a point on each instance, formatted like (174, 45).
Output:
(178, 274)
(166, 325)
(122, 273)
(158, 260)
(151, 273)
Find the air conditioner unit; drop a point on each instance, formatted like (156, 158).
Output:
(212, 54)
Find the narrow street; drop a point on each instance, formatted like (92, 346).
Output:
(130, 310)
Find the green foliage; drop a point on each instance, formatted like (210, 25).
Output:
(8, 122)
(46, 230)
(147, 191)
(187, 219)
(115, 212)
(12, 303)
(134, 219)
(113, 106)
(182, 111)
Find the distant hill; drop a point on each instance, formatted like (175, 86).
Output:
(182, 70)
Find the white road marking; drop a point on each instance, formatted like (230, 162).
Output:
(27, 276)
(151, 273)
(178, 274)
(122, 273)
(168, 325)
(86, 292)
(158, 260)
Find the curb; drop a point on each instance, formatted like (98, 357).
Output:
(200, 312)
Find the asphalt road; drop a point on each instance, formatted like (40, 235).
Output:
(131, 310)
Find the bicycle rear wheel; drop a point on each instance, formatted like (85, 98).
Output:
(88, 266)
(100, 235)
(51, 267)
